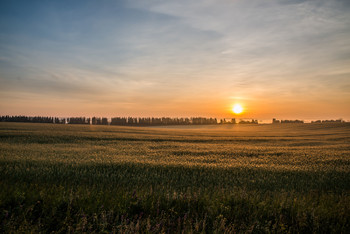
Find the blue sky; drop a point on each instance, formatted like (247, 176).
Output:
(278, 58)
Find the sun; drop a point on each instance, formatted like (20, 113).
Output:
(237, 109)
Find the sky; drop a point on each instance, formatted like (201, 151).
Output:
(287, 59)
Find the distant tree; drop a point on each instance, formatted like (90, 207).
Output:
(292, 121)
(104, 121)
(275, 121)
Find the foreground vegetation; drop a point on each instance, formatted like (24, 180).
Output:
(251, 178)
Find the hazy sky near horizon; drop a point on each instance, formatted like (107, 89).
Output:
(278, 58)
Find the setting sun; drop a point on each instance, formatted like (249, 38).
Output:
(237, 109)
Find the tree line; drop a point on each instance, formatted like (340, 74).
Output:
(122, 121)
(142, 121)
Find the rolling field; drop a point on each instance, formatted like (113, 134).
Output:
(241, 178)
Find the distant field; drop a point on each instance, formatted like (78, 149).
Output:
(234, 178)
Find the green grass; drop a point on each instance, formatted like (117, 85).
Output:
(252, 178)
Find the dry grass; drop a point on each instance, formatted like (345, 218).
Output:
(289, 177)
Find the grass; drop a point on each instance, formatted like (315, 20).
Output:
(252, 178)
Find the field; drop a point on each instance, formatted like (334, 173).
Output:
(241, 178)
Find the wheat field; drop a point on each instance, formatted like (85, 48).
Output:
(194, 179)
